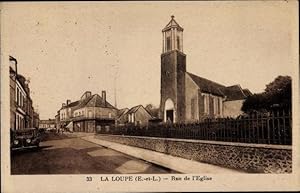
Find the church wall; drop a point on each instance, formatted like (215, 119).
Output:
(232, 108)
(191, 94)
(181, 73)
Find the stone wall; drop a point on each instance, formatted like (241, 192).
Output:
(252, 158)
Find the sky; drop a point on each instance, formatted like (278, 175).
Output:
(66, 49)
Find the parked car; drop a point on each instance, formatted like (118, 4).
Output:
(25, 138)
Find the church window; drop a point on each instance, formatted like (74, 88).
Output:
(206, 104)
(168, 43)
(220, 106)
(216, 107)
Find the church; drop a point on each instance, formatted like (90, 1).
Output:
(186, 97)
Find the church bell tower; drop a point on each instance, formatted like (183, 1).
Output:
(173, 68)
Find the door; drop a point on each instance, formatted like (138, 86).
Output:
(170, 117)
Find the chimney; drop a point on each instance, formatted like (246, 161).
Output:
(104, 96)
(68, 101)
(86, 95)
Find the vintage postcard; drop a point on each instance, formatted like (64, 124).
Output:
(149, 96)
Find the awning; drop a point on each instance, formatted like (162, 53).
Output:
(70, 126)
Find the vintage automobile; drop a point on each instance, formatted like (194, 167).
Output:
(25, 138)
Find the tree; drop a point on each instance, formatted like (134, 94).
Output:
(277, 94)
(152, 110)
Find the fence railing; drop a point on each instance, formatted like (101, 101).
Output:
(268, 128)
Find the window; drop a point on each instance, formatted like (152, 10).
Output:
(178, 43)
(168, 43)
(21, 102)
(90, 114)
(206, 104)
(215, 101)
(220, 107)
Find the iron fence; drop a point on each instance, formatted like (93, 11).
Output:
(267, 128)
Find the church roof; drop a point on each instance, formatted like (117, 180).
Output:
(172, 24)
(207, 86)
(234, 92)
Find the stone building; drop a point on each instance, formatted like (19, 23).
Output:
(186, 97)
(47, 124)
(36, 119)
(89, 113)
(122, 116)
(137, 115)
(21, 105)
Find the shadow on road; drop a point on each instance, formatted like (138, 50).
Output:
(29, 150)
(55, 136)
(79, 157)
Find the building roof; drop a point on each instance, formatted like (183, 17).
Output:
(247, 92)
(234, 92)
(172, 24)
(97, 101)
(207, 86)
(122, 111)
(92, 101)
(73, 104)
(136, 108)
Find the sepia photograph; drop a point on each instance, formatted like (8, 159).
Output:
(178, 95)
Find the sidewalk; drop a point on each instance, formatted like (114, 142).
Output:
(174, 163)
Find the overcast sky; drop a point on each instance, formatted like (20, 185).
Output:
(66, 49)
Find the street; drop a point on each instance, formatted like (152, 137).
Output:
(65, 154)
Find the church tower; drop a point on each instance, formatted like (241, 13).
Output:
(173, 68)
